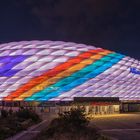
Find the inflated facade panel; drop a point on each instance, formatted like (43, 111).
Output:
(60, 71)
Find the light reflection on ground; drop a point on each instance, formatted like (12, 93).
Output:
(119, 126)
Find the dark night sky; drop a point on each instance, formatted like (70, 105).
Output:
(110, 24)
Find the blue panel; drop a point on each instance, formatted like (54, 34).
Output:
(68, 83)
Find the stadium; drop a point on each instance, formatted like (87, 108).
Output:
(65, 75)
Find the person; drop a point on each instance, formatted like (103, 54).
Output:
(4, 113)
(42, 110)
(10, 111)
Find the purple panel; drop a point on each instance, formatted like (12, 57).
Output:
(8, 63)
(10, 73)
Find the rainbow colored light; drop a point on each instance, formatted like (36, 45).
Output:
(60, 71)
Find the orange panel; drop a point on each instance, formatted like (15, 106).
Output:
(46, 75)
(53, 80)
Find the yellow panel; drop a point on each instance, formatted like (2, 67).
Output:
(96, 57)
(63, 74)
(87, 61)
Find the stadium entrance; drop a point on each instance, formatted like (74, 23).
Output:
(92, 106)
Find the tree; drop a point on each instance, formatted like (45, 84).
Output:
(70, 125)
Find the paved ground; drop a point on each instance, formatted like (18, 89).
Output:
(32, 132)
(120, 127)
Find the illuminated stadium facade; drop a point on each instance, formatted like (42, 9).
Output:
(55, 71)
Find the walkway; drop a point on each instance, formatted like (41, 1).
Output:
(33, 131)
(120, 127)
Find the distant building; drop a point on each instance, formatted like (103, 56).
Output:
(68, 74)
